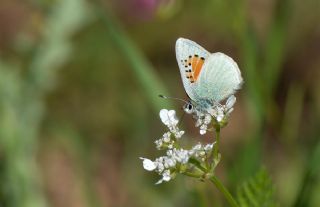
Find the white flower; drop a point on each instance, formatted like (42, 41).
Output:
(195, 150)
(168, 117)
(178, 155)
(166, 137)
(220, 117)
(179, 134)
(158, 143)
(169, 163)
(208, 147)
(203, 129)
(207, 119)
(218, 111)
(165, 142)
(200, 152)
(181, 156)
(160, 167)
(198, 122)
(148, 164)
(197, 147)
(166, 176)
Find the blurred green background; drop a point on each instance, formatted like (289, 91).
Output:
(79, 85)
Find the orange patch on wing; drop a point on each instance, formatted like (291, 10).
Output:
(196, 68)
(193, 67)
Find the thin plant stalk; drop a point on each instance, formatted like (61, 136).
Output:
(216, 145)
(224, 191)
(214, 179)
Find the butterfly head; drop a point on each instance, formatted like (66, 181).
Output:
(201, 106)
(188, 107)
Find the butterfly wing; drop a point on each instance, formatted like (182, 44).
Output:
(219, 78)
(191, 58)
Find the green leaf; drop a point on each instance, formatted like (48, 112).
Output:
(257, 191)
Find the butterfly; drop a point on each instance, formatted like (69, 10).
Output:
(208, 78)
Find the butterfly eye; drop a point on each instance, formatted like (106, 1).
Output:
(188, 108)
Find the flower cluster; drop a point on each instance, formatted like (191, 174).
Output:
(197, 161)
(218, 112)
(168, 117)
(177, 158)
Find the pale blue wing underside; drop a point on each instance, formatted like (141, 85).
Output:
(220, 77)
(185, 48)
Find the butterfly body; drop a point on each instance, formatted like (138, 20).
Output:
(208, 78)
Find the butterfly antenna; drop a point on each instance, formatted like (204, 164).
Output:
(167, 97)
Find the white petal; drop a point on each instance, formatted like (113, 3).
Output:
(171, 113)
(203, 129)
(197, 147)
(207, 119)
(202, 132)
(166, 139)
(172, 117)
(168, 117)
(179, 134)
(166, 135)
(164, 116)
(219, 118)
(166, 176)
(208, 147)
(198, 122)
(148, 164)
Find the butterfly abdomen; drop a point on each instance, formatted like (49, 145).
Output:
(193, 66)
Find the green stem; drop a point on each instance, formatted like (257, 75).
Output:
(213, 178)
(224, 191)
(216, 145)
